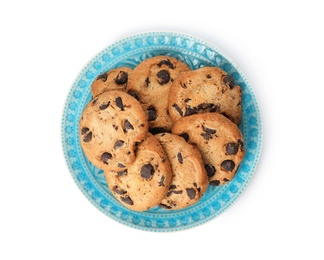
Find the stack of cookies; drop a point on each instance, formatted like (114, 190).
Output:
(162, 132)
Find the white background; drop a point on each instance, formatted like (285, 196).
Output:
(279, 47)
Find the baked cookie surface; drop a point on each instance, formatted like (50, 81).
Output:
(110, 127)
(219, 141)
(190, 179)
(150, 83)
(115, 79)
(205, 90)
(145, 183)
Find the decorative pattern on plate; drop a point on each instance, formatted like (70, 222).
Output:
(129, 52)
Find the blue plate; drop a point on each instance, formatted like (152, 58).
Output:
(130, 52)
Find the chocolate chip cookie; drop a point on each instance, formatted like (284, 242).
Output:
(110, 127)
(190, 179)
(115, 79)
(219, 141)
(205, 90)
(145, 183)
(150, 83)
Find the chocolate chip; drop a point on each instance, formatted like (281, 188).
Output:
(115, 126)
(147, 171)
(119, 103)
(151, 113)
(187, 100)
(166, 62)
(209, 130)
(161, 182)
(190, 111)
(121, 173)
(204, 106)
(157, 130)
(214, 183)
(120, 165)
(103, 77)
(147, 81)
(172, 187)
(163, 77)
(128, 126)
(228, 165)
(104, 106)
(185, 136)
(165, 206)
(210, 169)
(183, 85)
(198, 188)
(232, 148)
(191, 192)
(119, 191)
(178, 109)
(84, 130)
(241, 144)
(208, 107)
(214, 108)
(206, 136)
(122, 77)
(133, 94)
(87, 138)
(180, 159)
(94, 101)
(226, 180)
(228, 80)
(171, 190)
(208, 76)
(105, 157)
(127, 200)
(118, 144)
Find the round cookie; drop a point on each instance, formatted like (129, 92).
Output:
(110, 127)
(219, 141)
(145, 183)
(190, 179)
(150, 83)
(115, 79)
(208, 89)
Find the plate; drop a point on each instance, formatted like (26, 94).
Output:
(130, 52)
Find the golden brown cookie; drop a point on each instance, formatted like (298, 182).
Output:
(205, 90)
(115, 79)
(145, 183)
(150, 83)
(219, 141)
(110, 127)
(190, 179)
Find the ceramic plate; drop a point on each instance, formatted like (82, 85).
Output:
(130, 52)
